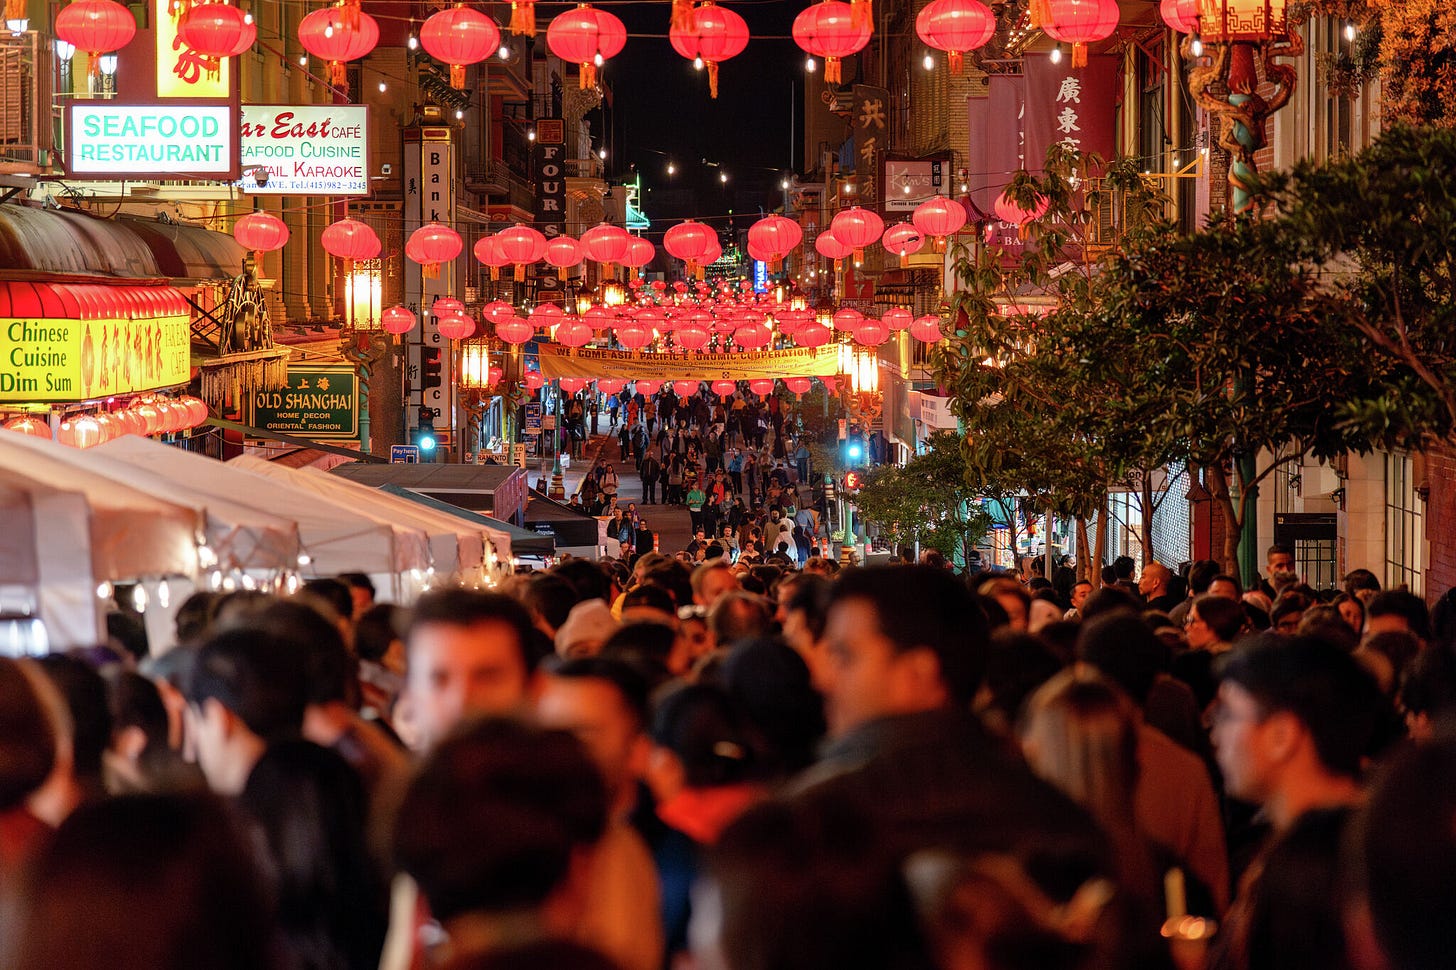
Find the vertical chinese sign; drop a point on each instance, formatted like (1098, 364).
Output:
(869, 115)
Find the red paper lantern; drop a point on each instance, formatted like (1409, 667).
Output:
(897, 319)
(573, 384)
(725, 389)
(611, 385)
(903, 239)
(432, 244)
(398, 320)
(217, 30)
(487, 250)
(871, 333)
(497, 311)
(754, 336)
(28, 424)
(456, 326)
(939, 217)
(262, 232)
(639, 253)
(563, 252)
(96, 27)
(522, 245)
(710, 35)
(799, 385)
(80, 432)
(826, 244)
(763, 387)
(515, 330)
(830, 30)
(573, 333)
(684, 388)
(848, 319)
(955, 26)
(599, 317)
(692, 242)
(1008, 210)
(149, 418)
(1079, 23)
(533, 380)
(605, 244)
(587, 37)
(446, 304)
(350, 239)
(547, 315)
(926, 329)
(633, 336)
(812, 336)
(692, 337)
(1181, 15)
(648, 388)
(337, 36)
(459, 36)
(776, 236)
(858, 229)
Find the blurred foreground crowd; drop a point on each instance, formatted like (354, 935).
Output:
(739, 768)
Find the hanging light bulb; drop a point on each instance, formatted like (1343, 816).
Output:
(697, 63)
(1057, 54)
(248, 18)
(413, 42)
(810, 65)
(603, 154)
(1350, 31)
(929, 62)
(329, 29)
(504, 53)
(303, 60)
(383, 87)
(304, 559)
(164, 594)
(671, 169)
(723, 177)
(139, 598)
(103, 590)
(598, 60)
(459, 114)
(1196, 46)
(531, 135)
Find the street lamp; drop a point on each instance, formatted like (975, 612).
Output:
(1237, 36)
(362, 341)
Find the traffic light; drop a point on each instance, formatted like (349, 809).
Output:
(852, 482)
(429, 367)
(425, 432)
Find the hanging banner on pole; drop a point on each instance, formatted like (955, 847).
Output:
(634, 365)
(1075, 106)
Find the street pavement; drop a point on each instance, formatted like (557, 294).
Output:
(672, 523)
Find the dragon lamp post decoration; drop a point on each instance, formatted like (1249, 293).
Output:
(1242, 34)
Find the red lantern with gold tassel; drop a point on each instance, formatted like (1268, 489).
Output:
(96, 27)
(711, 34)
(349, 239)
(523, 246)
(459, 37)
(955, 26)
(432, 244)
(327, 35)
(1081, 22)
(858, 229)
(262, 232)
(564, 253)
(830, 30)
(587, 37)
(904, 240)
(487, 250)
(217, 30)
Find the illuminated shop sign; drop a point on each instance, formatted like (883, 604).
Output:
(151, 141)
(79, 360)
(305, 149)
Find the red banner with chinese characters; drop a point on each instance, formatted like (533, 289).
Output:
(1077, 106)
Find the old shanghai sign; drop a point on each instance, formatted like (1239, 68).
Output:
(305, 149)
(319, 402)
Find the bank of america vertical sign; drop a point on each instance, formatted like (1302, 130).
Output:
(550, 159)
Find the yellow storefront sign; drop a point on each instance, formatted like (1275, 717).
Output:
(557, 361)
(46, 360)
(181, 71)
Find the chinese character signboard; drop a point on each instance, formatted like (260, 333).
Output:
(306, 149)
(319, 402)
(77, 360)
(550, 164)
(429, 196)
(871, 135)
(907, 183)
(1078, 107)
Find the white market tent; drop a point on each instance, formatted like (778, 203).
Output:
(69, 531)
(335, 538)
(462, 549)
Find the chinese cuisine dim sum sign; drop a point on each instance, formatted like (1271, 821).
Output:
(48, 360)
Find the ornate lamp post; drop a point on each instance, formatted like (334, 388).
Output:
(1243, 35)
(475, 382)
(363, 342)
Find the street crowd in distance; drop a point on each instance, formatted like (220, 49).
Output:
(743, 766)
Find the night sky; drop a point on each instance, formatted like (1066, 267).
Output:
(662, 111)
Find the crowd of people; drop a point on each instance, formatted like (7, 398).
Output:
(740, 466)
(743, 766)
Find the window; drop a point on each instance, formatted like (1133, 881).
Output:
(1405, 526)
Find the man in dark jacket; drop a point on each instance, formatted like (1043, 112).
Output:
(651, 471)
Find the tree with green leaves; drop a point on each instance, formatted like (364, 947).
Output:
(927, 501)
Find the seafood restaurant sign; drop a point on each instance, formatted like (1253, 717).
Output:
(306, 149)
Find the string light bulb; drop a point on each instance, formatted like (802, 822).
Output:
(810, 65)
(414, 42)
(929, 62)
(1196, 46)
(697, 63)
(1057, 54)
(1350, 31)
(504, 53)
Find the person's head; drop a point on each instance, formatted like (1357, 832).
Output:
(589, 625)
(83, 693)
(701, 738)
(773, 685)
(28, 736)
(1279, 560)
(1123, 567)
(308, 625)
(499, 820)
(1154, 580)
(589, 579)
(147, 882)
(1428, 692)
(802, 614)
(694, 639)
(1212, 620)
(1080, 591)
(1125, 650)
(549, 598)
(248, 689)
(1293, 715)
(1399, 610)
(139, 729)
(1361, 584)
(379, 636)
(466, 656)
(1226, 586)
(1352, 611)
(1402, 855)
(1079, 732)
(1286, 613)
(649, 603)
(193, 617)
(1012, 597)
(361, 591)
(901, 639)
(739, 615)
(339, 597)
(711, 581)
(604, 703)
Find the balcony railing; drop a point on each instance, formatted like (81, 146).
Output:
(25, 124)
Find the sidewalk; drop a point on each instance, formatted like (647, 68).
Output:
(672, 523)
